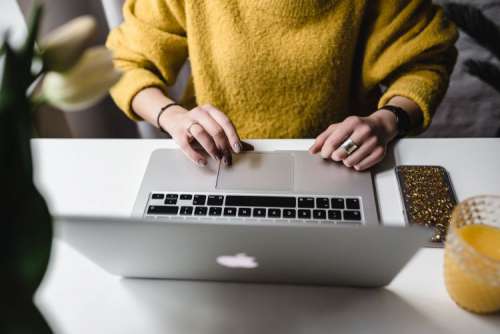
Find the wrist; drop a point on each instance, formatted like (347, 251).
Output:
(387, 123)
(169, 116)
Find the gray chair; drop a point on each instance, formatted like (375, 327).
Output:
(471, 108)
(114, 16)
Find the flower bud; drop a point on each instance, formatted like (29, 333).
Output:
(63, 47)
(83, 85)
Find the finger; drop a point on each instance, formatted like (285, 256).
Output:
(216, 132)
(332, 143)
(375, 157)
(361, 153)
(360, 134)
(320, 140)
(205, 140)
(189, 151)
(227, 126)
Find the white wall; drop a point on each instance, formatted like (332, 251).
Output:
(11, 19)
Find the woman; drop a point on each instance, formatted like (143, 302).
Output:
(354, 73)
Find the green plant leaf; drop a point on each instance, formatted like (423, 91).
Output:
(3, 42)
(28, 49)
(10, 82)
(475, 24)
(485, 71)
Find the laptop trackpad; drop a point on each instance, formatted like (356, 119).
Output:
(258, 171)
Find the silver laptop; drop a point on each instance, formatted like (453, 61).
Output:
(284, 186)
(276, 217)
(237, 251)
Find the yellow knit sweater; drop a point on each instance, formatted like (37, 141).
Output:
(287, 68)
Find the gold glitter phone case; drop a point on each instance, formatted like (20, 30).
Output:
(428, 198)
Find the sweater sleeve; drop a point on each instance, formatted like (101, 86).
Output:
(410, 50)
(149, 47)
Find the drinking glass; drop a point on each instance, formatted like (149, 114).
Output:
(472, 277)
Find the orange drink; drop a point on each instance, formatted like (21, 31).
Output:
(472, 255)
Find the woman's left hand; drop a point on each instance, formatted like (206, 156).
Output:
(371, 134)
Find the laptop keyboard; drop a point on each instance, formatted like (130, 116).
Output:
(301, 208)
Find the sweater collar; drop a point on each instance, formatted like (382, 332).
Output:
(294, 8)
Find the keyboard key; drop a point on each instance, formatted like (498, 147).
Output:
(157, 196)
(163, 210)
(352, 203)
(289, 213)
(186, 210)
(171, 201)
(319, 214)
(172, 196)
(229, 212)
(322, 203)
(274, 213)
(306, 202)
(304, 214)
(215, 211)
(334, 215)
(352, 215)
(261, 201)
(259, 212)
(200, 211)
(186, 197)
(244, 212)
(199, 199)
(215, 200)
(338, 203)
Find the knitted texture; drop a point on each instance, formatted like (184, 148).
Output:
(287, 68)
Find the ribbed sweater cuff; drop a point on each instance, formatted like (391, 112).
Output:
(132, 82)
(419, 87)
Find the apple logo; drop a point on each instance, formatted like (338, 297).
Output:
(240, 260)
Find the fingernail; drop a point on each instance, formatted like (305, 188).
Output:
(202, 163)
(237, 147)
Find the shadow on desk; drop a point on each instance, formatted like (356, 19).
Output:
(214, 308)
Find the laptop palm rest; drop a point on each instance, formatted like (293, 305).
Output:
(253, 171)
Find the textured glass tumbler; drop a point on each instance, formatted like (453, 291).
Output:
(472, 278)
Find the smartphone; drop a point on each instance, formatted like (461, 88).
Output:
(428, 198)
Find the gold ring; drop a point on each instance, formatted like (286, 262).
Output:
(349, 146)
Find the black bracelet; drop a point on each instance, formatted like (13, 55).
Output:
(402, 119)
(162, 110)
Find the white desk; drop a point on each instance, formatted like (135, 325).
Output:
(101, 177)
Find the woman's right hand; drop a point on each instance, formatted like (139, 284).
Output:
(205, 125)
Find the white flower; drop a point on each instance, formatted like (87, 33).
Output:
(63, 47)
(84, 85)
